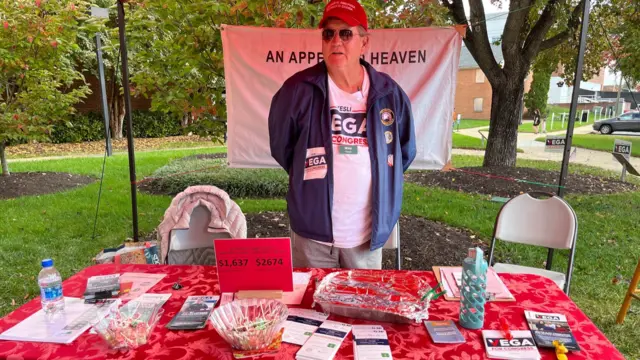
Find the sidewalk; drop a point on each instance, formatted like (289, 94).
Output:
(534, 150)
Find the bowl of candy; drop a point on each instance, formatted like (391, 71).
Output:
(129, 326)
(250, 324)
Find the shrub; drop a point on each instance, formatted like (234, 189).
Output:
(81, 127)
(149, 124)
(238, 183)
(90, 127)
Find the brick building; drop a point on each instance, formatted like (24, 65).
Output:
(473, 91)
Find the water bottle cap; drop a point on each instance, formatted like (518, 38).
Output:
(47, 263)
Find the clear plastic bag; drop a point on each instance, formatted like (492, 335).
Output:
(374, 295)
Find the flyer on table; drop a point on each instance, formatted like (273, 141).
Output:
(547, 327)
(301, 324)
(325, 342)
(370, 342)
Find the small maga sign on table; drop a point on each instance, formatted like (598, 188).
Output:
(554, 143)
(622, 147)
(254, 264)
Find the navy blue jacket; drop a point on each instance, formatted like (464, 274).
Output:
(299, 120)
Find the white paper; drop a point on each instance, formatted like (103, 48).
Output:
(370, 342)
(158, 299)
(325, 342)
(63, 328)
(300, 283)
(142, 282)
(301, 324)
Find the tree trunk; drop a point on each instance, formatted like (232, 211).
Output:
(3, 160)
(116, 108)
(186, 120)
(505, 115)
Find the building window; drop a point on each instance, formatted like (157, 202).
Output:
(477, 104)
(479, 76)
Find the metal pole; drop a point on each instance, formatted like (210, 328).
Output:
(574, 98)
(572, 110)
(103, 91)
(618, 97)
(553, 117)
(127, 101)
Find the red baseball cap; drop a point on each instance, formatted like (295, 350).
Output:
(349, 11)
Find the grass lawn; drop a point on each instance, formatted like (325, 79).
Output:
(470, 123)
(527, 127)
(467, 142)
(60, 226)
(602, 142)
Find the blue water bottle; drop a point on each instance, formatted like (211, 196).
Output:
(473, 289)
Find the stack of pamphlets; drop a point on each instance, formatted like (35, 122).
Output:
(370, 342)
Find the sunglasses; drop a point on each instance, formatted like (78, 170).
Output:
(329, 34)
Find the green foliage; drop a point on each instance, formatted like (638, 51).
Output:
(90, 127)
(81, 127)
(179, 46)
(154, 124)
(538, 95)
(625, 39)
(238, 183)
(39, 81)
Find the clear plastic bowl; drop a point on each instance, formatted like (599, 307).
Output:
(250, 324)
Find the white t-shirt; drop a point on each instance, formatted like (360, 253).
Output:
(351, 215)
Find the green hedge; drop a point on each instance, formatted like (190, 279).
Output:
(90, 127)
(238, 183)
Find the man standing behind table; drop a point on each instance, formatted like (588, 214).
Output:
(344, 133)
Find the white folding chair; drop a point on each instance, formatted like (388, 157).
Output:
(533, 220)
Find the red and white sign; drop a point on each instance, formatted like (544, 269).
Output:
(257, 61)
(254, 264)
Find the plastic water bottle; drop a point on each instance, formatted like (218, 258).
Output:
(50, 283)
(473, 290)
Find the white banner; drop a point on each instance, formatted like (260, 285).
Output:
(257, 61)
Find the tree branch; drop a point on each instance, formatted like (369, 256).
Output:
(572, 26)
(476, 39)
(518, 13)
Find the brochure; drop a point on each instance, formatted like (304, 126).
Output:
(547, 327)
(521, 347)
(444, 332)
(301, 324)
(325, 342)
(194, 313)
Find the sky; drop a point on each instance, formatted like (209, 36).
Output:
(488, 8)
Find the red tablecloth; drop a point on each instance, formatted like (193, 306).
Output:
(407, 341)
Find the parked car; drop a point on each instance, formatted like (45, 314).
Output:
(626, 122)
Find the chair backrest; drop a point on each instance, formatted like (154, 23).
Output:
(214, 211)
(550, 222)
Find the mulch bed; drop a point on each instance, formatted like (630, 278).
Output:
(423, 243)
(39, 183)
(478, 184)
